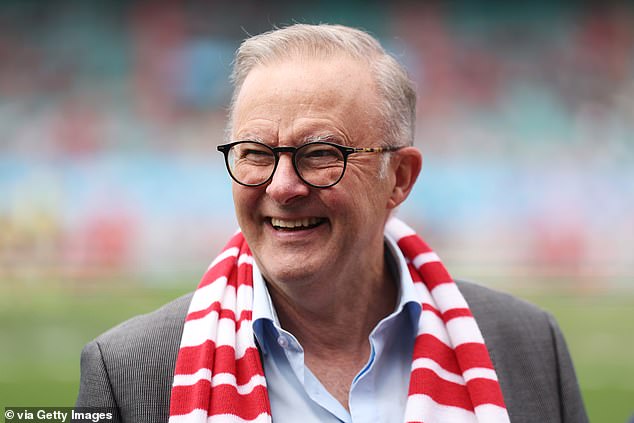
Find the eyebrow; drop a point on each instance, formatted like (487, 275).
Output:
(305, 140)
(251, 138)
(318, 138)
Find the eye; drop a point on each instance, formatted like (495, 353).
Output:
(319, 155)
(251, 150)
(252, 153)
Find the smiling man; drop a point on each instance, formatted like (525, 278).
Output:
(324, 307)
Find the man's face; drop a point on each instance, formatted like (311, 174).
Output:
(298, 233)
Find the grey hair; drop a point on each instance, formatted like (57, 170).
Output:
(397, 96)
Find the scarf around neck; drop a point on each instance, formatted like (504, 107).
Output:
(219, 375)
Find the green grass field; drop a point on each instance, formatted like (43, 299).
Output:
(42, 333)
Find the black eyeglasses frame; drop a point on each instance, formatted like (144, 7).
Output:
(345, 152)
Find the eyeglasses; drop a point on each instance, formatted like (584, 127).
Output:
(319, 164)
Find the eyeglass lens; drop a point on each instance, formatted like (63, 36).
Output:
(318, 164)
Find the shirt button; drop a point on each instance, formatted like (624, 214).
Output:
(283, 342)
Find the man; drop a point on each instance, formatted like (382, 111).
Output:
(324, 308)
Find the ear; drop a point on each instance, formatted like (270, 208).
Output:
(406, 164)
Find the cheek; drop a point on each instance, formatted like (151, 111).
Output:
(244, 200)
(368, 190)
(355, 204)
(338, 200)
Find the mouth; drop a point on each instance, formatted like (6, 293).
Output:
(289, 225)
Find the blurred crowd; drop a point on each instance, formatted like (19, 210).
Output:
(110, 113)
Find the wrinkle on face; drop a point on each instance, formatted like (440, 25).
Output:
(296, 109)
(288, 104)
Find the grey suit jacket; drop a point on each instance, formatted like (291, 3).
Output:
(131, 366)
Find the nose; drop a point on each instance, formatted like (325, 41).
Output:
(286, 186)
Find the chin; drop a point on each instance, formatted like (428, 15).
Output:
(288, 271)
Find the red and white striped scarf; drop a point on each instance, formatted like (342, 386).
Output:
(219, 375)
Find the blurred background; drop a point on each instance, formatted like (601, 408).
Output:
(113, 199)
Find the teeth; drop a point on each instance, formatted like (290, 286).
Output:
(298, 223)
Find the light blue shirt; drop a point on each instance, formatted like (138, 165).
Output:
(378, 392)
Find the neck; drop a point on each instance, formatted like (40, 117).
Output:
(335, 313)
(332, 317)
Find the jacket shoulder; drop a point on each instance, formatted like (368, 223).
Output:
(156, 326)
(132, 364)
(529, 354)
(505, 309)
(512, 328)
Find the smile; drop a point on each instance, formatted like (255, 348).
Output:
(296, 224)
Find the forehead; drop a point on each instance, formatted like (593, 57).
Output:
(293, 95)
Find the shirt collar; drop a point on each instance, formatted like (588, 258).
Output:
(262, 304)
(264, 316)
(407, 291)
